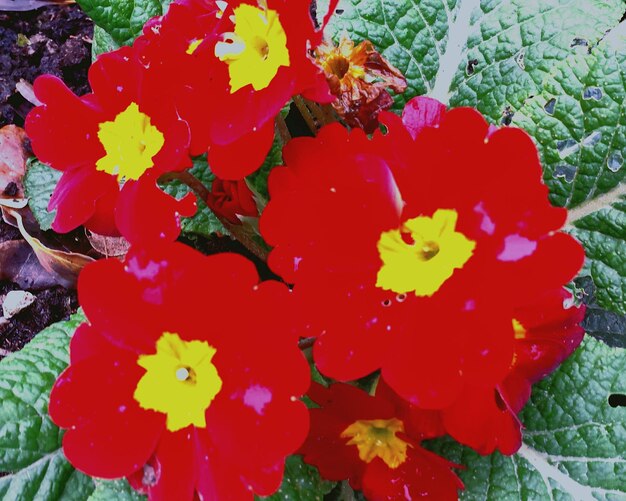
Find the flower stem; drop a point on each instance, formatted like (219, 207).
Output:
(306, 113)
(282, 129)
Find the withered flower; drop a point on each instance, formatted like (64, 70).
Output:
(360, 78)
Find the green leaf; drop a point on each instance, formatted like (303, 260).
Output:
(574, 441)
(39, 183)
(117, 490)
(121, 19)
(488, 54)
(515, 44)
(301, 483)
(30, 444)
(257, 181)
(204, 223)
(102, 42)
(578, 123)
(603, 234)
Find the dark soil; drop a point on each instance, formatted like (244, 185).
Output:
(55, 40)
(50, 306)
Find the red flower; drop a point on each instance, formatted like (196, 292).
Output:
(417, 249)
(259, 60)
(370, 441)
(182, 403)
(121, 134)
(546, 333)
(231, 199)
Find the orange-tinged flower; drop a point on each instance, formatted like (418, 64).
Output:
(374, 442)
(359, 77)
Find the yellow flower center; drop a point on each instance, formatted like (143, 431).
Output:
(130, 142)
(344, 60)
(256, 50)
(180, 381)
(422, 254)
(377, 438)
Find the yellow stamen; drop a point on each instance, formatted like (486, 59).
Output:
(256, 49)
(180, 381)
(422, 254)
(377, 438)
(130, 142)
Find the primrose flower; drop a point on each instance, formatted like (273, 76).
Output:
(415, 253)
(373, 442)
(108, 141)
(182, 404)
(259, 59)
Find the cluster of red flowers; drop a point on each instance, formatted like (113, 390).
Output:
(427, 254)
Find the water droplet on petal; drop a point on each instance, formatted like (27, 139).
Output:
(567, 147)
(615, 161)
(401, 298)
(593, 138)
(567, 172)
(550, 106)
(386, 303)
(594, 93)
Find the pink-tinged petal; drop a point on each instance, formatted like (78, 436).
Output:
(421, 112)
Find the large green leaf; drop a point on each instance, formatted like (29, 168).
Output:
(579, 125)
(490, 54)
(514, 44)
(30, 444)
(123, 20)
(102, 42)
(603, 233)
(117, 490)
(574, 441)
